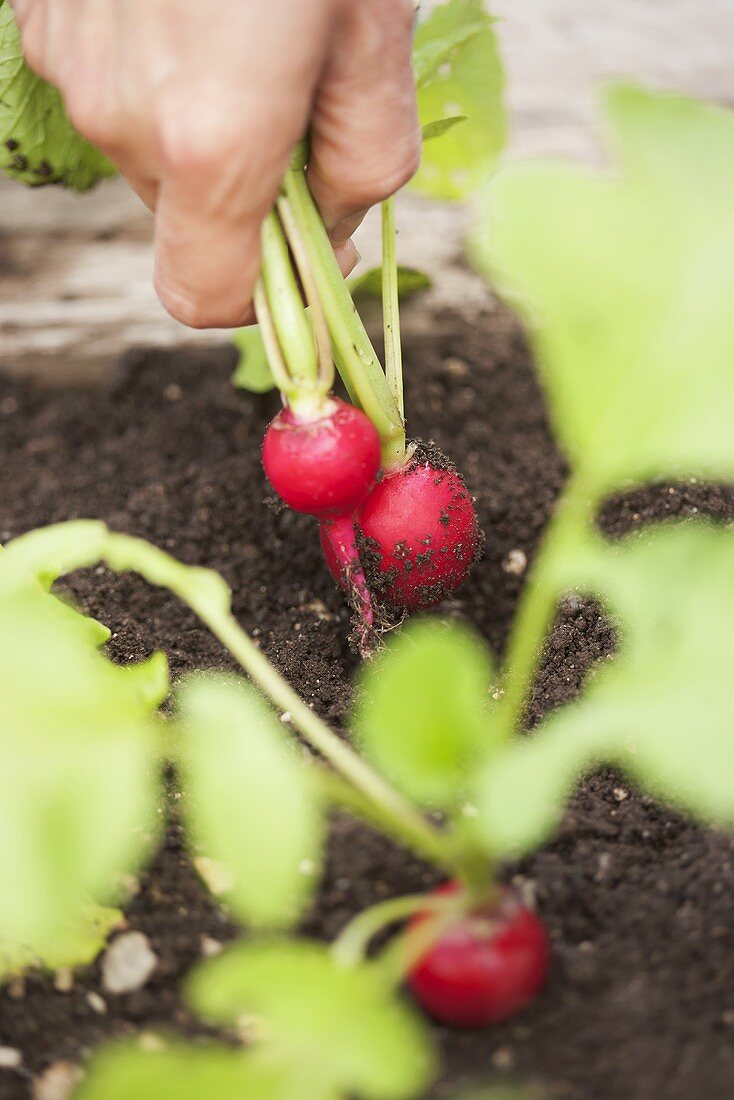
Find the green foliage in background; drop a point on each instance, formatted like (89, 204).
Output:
(78, 772)
(38, 144)
(460, 81)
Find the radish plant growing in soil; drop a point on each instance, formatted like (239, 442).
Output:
(625, 282)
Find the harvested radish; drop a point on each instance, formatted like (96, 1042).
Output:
(418, 532)
(486, 966)
(324, 466)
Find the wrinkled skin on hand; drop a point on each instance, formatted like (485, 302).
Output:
(200, 108)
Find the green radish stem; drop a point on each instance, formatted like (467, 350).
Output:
(350, 946)
(277, 363)
(289, 318)
(355, 356)
(310, 292)
(391, 307)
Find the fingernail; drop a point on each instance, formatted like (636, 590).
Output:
(347, 257)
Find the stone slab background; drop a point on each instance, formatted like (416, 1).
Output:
(75, 270)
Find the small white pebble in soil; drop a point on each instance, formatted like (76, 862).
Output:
(97, 1003)
(10, 1058)
(516, 562)
(455, 366)
(128, 963)
(9, 406)
(526, 888)
(57, 1082)
(16, 988)
(151, 1042)
(727, 1017)
(620, 794)
(173, 392)
(320, 610)
(210, 947)
(216, 876)
(64, 980)
(503, 1058)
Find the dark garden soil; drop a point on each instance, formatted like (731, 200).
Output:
(640, 904)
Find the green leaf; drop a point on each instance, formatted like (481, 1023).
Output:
(78, 776)
(441, 126)
(252, 371)
(150, 679)
(49, 552)
(202, 589)
(78, 946)
(342, 1026)
(422, 713)
(38, 144)
(459, 74)
(410, 282)
(661, 709)
(627, 283)
(123, 1071)
(250, 806)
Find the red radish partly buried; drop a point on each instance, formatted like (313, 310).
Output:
(324, 465)
(418, 532)
(485, 967)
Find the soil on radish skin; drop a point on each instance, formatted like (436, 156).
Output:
(639, 903)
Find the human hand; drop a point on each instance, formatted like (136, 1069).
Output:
(200, 107)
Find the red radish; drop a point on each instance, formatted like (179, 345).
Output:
(486, 966)
(339, 544)
(324, 466)
(418, 532)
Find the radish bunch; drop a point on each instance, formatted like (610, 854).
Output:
(397, 524)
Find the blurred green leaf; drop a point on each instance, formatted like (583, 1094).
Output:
(78, 946)
(250, 805)
(252, 371)
(149, 679)
(410, 282)
(458, 73)
(125, 1072)
(78, 775)
(38, 144)
(441, 126)
(422, 713)
(342, 1027)
(662, 709)
(627, 285)
(203, 589)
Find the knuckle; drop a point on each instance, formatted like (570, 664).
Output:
(376, 182)
(198, 311)
(96, 120)
(191, 140)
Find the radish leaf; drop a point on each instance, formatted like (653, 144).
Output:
(250, 805)
(459, 76)
(410, 282)
(626, 283)
(422, 710)
(661, 709)
(341, 1028)
(252, 371)
(78, 776)
(178, 1072)
(38, 144)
